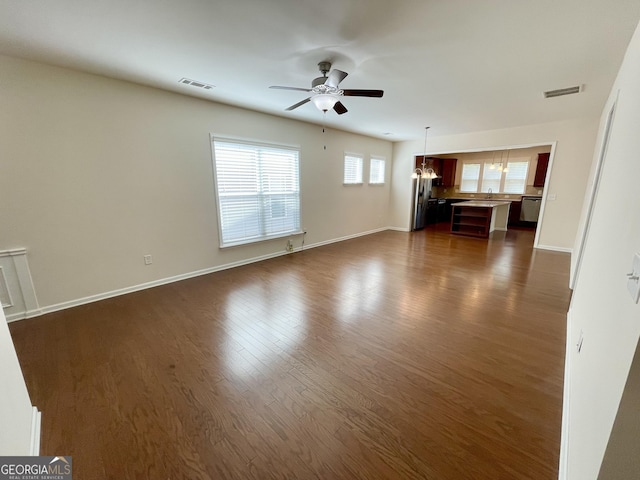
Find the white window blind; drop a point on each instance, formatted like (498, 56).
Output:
(469, 177)
(258, 189)
(376, 170)
(491, 178)
(515, 179)
(352, 169)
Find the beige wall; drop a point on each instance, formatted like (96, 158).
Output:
(98, 172)
(601, 307)
(568, 177)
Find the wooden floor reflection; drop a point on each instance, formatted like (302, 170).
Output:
(390, 356)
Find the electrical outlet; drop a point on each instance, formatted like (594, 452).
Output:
(289, 246)
(148, 260)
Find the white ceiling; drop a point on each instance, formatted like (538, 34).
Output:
(455, 65)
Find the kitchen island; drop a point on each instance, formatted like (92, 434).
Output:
(478, 218)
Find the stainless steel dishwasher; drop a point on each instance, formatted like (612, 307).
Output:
(530, 209)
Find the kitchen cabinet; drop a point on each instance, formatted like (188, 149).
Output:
(429, 162)
(445, 168)
(479, 218)
(474, 221)
(541, 169)
(448, 172)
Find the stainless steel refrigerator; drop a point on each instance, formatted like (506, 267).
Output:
(421, 195)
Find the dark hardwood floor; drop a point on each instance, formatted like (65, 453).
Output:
(390, 356)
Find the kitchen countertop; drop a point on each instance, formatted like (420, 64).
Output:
(483, 203)
(496, 197)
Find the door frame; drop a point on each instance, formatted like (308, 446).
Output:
(583, 231)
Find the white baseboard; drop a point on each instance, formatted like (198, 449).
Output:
(176, 278)
(399, 229)
(36, 428)
(554, 248)
(342, 239)
(154, 283)
(23, 315)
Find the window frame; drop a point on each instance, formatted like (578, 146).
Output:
(511, 170)
(263, 195)
(383, 161)
(359, 157)
(477, 179)
(481, 184)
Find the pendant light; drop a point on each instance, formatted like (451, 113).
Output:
(424, 172)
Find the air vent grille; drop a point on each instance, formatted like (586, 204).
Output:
(195, 83)
(563, 91)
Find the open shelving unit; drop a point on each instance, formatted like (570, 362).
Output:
(472, 221)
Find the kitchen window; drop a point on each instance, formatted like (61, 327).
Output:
(515, 180)
(353, 169)
(485, 177)
(258, 190)
(469, 177)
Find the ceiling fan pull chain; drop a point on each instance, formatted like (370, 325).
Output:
(324, 116)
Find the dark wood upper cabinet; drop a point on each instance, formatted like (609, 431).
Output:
(541, 170)
(445, 168)
(448, 172)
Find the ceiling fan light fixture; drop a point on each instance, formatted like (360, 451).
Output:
(324, 101)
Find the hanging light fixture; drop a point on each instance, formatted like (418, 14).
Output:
(424, 172)
(506, 168)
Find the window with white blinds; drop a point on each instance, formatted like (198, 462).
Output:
(352, 169)
(469, 177)
(258, 190)
(515, 179)
(491, 178)
(376, 170)
(480, 177)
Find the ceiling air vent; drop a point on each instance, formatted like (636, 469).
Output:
(195, 83)
(562, 91)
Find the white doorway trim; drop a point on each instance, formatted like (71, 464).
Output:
(583, 234)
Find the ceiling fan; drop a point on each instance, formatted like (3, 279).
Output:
(326, 93)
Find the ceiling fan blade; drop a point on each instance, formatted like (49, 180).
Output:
(340, 108)
(363, 93)
(297, 104)
(335, 77)
(290, 88)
